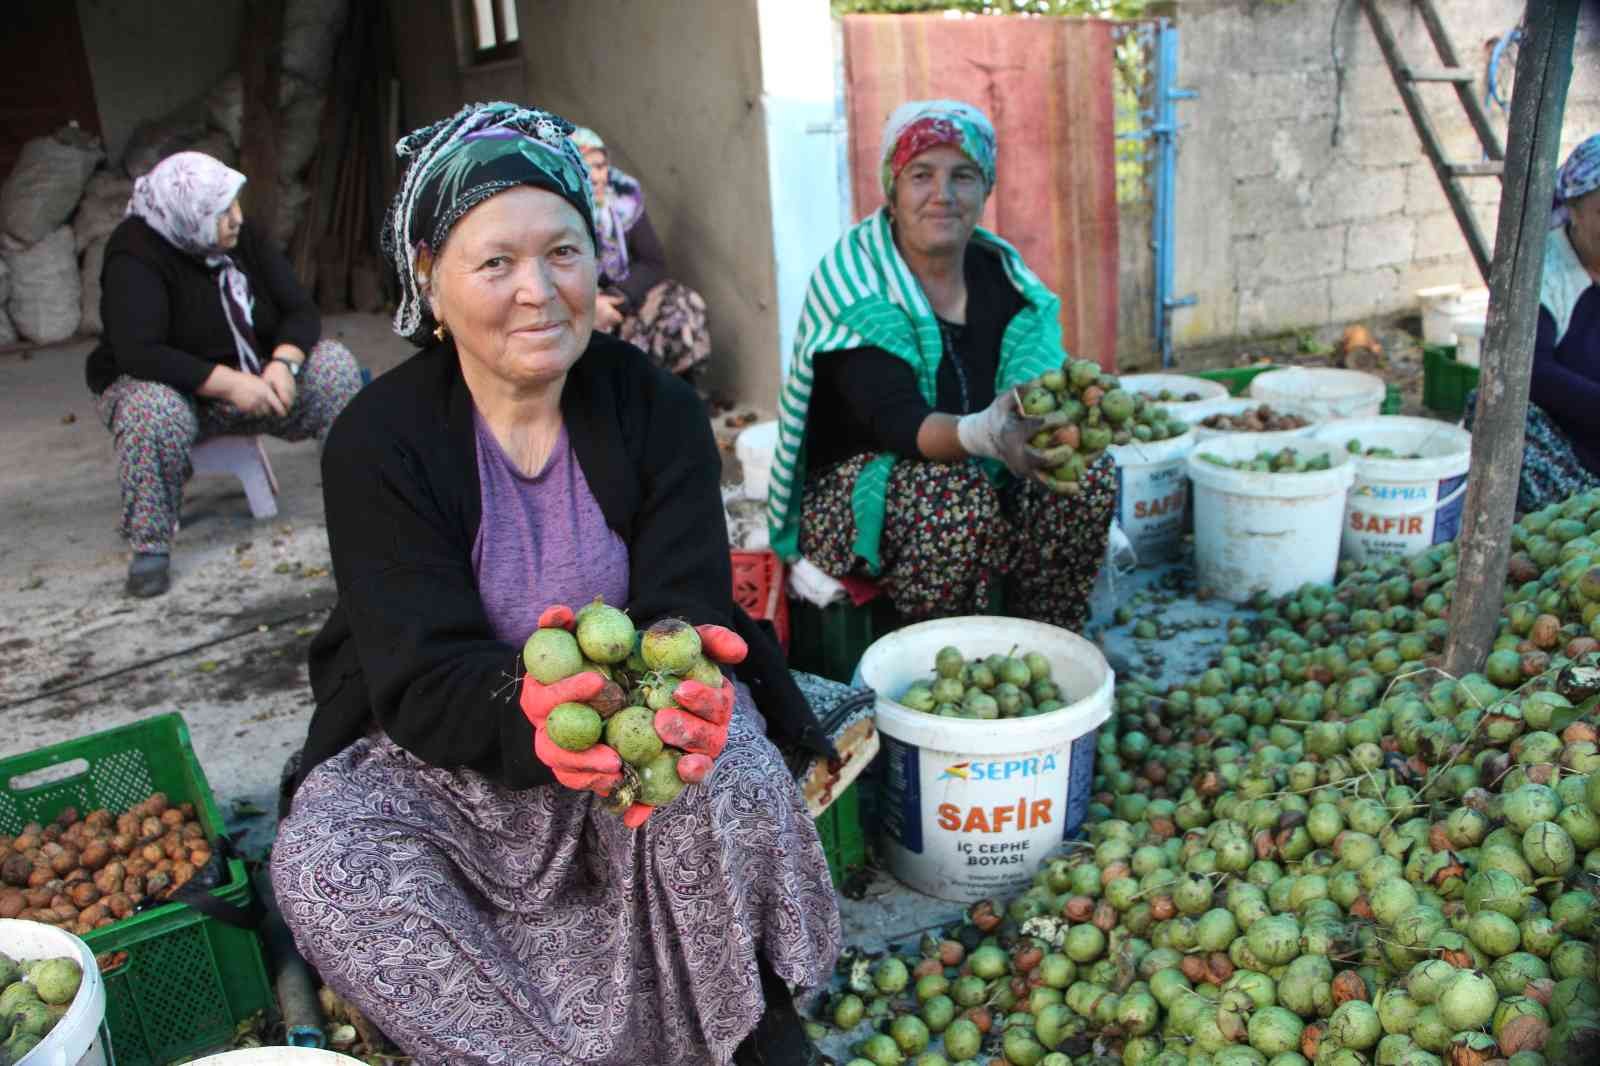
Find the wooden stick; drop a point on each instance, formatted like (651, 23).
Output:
(1544, 68)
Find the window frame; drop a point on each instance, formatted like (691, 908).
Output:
(502, 49)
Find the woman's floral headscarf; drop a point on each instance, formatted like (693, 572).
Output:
(1578, 176)
(457, 164)
(616, 208)
(917, 126)
(182, 198)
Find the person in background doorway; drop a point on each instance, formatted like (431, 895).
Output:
(1562, 454)
(638, 301)
(902, 454)
(207, 333)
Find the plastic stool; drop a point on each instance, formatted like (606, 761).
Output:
(246, 459)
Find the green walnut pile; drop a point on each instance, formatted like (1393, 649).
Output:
(642, 672)
(1282, 461)
(33, 997)
(1354, 447)
(1322, 850)
(1086, 411)
(994, 686)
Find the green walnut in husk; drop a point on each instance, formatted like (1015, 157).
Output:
(1282, 461)
(1017, 685)
(1086, 411)
(1319, 848)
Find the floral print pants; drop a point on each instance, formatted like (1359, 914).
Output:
(670, 326)
(950, 535)
(155, 426)
(1551, 469)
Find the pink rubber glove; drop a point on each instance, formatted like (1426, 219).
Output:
(597, 769)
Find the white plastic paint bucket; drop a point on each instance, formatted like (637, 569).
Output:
(80, 1037)
(1153, 495)
(1203, 433)
(1402, 506)
(1322, 392)
(973, 807)
(755, 447)
(1211, 393)
(1469, 337)
(1262, 532)
(1436, 305)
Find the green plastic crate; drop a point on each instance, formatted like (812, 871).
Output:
(842, 841)
(1237, 379)
(829, 641)
(1393, 400)
(1445, 382)
(188, 978)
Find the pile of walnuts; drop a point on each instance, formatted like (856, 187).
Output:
(82, 873)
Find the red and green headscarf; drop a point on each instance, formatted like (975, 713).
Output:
(917, 126)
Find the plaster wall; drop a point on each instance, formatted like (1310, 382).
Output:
(1280, 229)
(149, 57)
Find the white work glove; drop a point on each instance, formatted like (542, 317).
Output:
(1001, 431)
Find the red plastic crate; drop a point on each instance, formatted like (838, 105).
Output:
(758, 588)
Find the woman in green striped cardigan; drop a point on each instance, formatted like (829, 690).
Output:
(902, 455)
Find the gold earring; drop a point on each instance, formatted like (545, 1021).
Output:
(439, 331)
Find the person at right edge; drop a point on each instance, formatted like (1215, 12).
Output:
(902, 454)
(1561, 453)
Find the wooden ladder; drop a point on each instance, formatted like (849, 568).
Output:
(1406, 79)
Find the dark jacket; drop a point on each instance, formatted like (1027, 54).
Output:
(408, 645)
(647, 263)
(867, 400)
(1566, 376)
(163, 316)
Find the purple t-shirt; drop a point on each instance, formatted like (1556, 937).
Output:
(543, 539)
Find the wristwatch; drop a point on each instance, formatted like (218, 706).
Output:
(294, 367)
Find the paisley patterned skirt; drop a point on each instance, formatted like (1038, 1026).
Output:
(670, 326)
(477, 924)
(1551, 469)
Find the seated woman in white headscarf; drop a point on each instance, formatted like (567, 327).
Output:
(638, 301)
(207, 332)
(1561, 455)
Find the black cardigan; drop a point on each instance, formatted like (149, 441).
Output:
(408, 645)
(162, 311)
(867, 400)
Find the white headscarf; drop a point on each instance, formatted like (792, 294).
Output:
(182, 198)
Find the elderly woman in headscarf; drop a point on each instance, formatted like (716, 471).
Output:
(207, 333)
(1562, 453)
(637, 301)
(902, 454)
(446, 866)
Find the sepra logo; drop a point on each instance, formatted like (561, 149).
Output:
(999, 770)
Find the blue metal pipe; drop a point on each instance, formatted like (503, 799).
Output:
(1164, 224)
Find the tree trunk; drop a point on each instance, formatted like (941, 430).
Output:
(1544, 68)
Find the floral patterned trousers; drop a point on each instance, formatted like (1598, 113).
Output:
(155, 427)
(950, 535)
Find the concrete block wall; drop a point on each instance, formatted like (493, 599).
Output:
(1280, 229)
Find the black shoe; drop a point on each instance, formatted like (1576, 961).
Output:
(779, 1038)
(149, 575)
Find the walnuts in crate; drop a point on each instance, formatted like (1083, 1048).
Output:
(84, 872)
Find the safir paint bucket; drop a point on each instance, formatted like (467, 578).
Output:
(1210, 393)
(1321, 392)
(1153, 495)
(973, 807)
(1264, 532)
(80, 1037)
(1402, 506)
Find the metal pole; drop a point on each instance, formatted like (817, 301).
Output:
(1165, 226)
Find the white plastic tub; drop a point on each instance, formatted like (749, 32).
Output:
(755, 447)
(1210, 392)
(1203, 433)
(1323, 393)
(80, 1037)
(973, 807)
(1469, 337)
(1402, 506)
(1436, 304)
(1261, 532)
(1153, 495)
